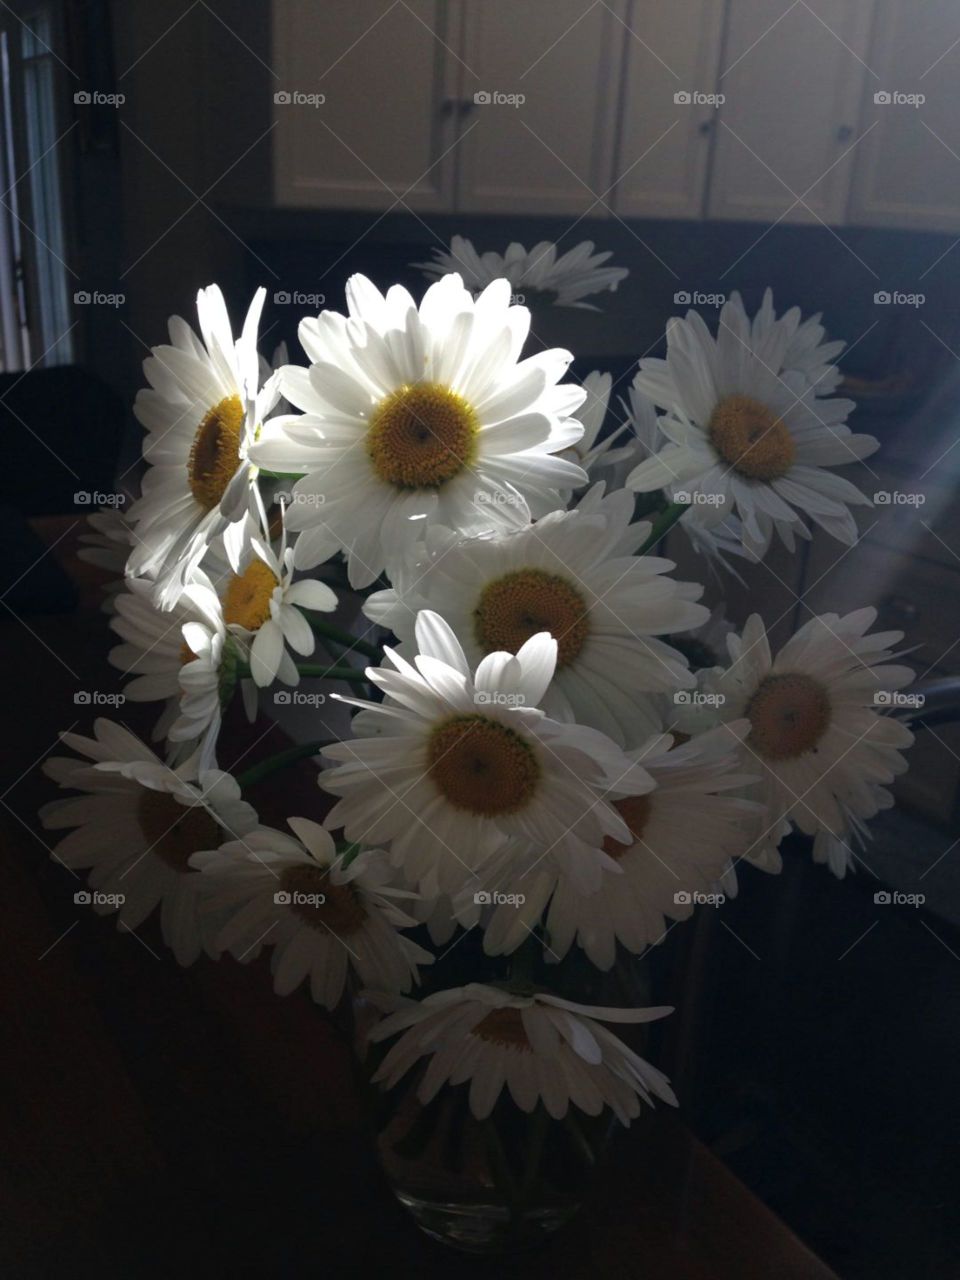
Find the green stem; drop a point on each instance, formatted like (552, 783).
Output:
(257, 772)
(663, 524)
(343, 638)
(282, 475)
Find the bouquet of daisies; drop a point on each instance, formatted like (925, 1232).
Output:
(549, 751)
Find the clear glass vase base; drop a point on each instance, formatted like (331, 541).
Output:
(486, 1228)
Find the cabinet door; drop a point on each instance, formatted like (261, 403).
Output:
(379, 135)
(671, 67)
(908, 169)
(540, 88)
(787, 132)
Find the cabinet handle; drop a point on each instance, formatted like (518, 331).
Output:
(899, 609)
(845, 133)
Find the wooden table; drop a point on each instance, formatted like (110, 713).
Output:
(166, 1122)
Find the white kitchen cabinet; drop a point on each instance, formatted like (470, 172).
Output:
(908, 167)
(793, 77)
(545, 145)
(380, 132)
(671, 64)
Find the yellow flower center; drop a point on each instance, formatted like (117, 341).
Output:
(421, 436)
(635, 811)
(322, 904)
(517, 606)
(215, 452)
(174, 831)
(247, 598)
(751, 439)
(788, 716)
(504, 1028)
(482, 766)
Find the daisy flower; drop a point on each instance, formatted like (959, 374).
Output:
(155, 653)
(322, 915)
(571, 277)
(136, 824)
(793, 345)
(683, 835)
(452, 763)
(608, 457)
(576, 575)
(419, 417)
(201, 413)
(539, 1046)
(746, 440)
(260, 607)
(824, 754)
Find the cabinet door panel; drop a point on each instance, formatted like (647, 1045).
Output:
(545, 145)
(672, 64)
(908, 170)
(787, 135)
(380, 133)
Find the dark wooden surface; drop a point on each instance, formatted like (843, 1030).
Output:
(163, 1122)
